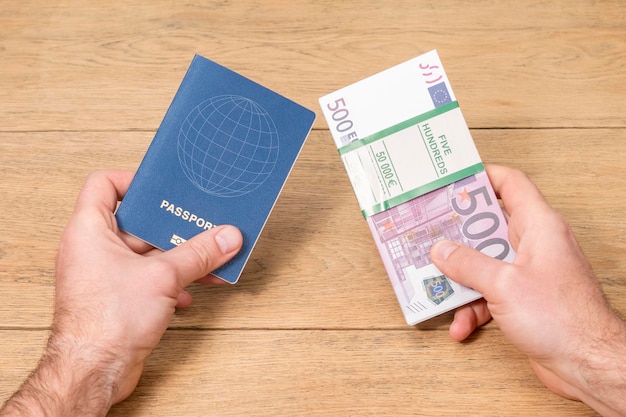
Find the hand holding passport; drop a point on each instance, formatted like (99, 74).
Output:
(221, 156)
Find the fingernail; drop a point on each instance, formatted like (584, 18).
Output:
(228, 239)
(443, 249)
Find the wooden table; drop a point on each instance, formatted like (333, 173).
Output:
(313, 327)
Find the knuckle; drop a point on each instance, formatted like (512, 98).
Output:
(163, 276)
(199, 256)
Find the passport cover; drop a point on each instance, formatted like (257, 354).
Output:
(221, 156)
(418, 178)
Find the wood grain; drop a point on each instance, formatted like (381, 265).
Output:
(313, 327)
(116, 66)
(325, 372)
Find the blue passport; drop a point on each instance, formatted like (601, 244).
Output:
(221, 156)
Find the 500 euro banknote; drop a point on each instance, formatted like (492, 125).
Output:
(466, 211)
(418, 178)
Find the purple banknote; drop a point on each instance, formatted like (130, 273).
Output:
(466, 211)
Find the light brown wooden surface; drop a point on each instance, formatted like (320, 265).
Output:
(313, 327)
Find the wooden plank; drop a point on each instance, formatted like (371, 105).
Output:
(313, 328)
(315, 265)
(322, 373)
(116, 66)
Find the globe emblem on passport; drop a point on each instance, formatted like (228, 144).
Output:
(228, 146)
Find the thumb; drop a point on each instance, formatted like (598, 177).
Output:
(200, 255)
(467, 266)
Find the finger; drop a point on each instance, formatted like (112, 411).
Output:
(468, 318)
(103, 189)
(469, 267)
(211, 280)
(137, 245)
(200, 255)
(520, 195)
(183, 300)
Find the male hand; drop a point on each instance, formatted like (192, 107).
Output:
(115, 297)
(547, 302)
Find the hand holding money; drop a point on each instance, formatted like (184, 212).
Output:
(547, 302)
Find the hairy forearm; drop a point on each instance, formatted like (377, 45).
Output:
(603, 371)
(70, 380)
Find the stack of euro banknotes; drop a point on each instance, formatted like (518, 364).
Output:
(418, 178)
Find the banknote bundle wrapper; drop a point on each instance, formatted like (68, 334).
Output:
(418, 179)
